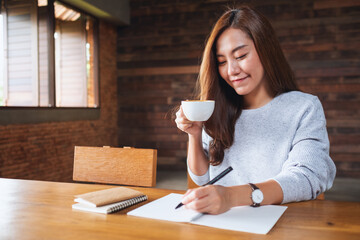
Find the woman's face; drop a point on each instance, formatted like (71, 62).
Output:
(239, 65)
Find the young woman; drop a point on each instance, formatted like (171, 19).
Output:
(271, 134)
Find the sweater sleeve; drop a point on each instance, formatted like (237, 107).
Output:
(308, 170)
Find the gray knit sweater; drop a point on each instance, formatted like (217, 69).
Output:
(285, 140)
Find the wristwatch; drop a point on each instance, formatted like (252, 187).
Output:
(256, 195)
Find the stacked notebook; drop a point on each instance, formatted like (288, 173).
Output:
(108, 200)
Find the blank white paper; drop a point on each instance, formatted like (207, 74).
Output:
(258, 220)
(164, 209)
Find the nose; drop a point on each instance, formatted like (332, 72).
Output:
(233, 68)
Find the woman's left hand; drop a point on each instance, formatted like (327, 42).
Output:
(211, 199)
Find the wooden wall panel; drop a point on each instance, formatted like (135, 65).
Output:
(159, 53)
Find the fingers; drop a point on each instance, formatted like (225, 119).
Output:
(193, 194)
(188, 192)
(183, 127)
(181, 121)
(196, 199)
(181, 116)
(209, 199)
(202, 207)
(199, 205)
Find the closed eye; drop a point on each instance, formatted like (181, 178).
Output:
(242, 56)
(221, 63)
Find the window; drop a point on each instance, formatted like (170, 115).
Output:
(47, 55)
(2, 73)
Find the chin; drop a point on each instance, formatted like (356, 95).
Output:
(241, 92)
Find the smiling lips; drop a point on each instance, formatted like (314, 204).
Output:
(240, 79)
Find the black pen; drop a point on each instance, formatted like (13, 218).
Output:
(214, 180)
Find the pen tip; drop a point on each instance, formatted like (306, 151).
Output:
(179, 205)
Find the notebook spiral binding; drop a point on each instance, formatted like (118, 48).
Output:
(127, 203)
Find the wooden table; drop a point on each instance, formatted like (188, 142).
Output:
(42, 210)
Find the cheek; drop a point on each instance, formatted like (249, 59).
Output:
(259, 71)
(224, 75)
(254, 67)
(249, 65)
(223, 72)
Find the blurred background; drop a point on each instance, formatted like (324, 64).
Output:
(138, 60)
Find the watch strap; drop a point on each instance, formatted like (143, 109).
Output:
(253, 186)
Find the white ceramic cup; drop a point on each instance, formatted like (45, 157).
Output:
(196, 110)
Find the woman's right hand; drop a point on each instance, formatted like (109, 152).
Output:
(185, 125)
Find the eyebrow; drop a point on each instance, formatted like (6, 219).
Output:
(232, 51)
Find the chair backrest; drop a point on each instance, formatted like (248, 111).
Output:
(124, 166)
(191, 183)
(321, 196)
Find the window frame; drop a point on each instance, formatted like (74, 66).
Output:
(38, 114)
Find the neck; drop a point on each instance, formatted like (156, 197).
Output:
(257, 98)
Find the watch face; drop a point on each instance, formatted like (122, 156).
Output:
(257, 196)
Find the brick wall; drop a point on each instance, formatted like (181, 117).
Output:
(159, 53)
(45, 151)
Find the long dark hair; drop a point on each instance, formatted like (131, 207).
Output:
(210, 85)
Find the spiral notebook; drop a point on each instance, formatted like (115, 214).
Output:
(108, 200)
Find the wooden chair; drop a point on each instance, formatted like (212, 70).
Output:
(124, 166)
(321, 196)
(191, 184)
